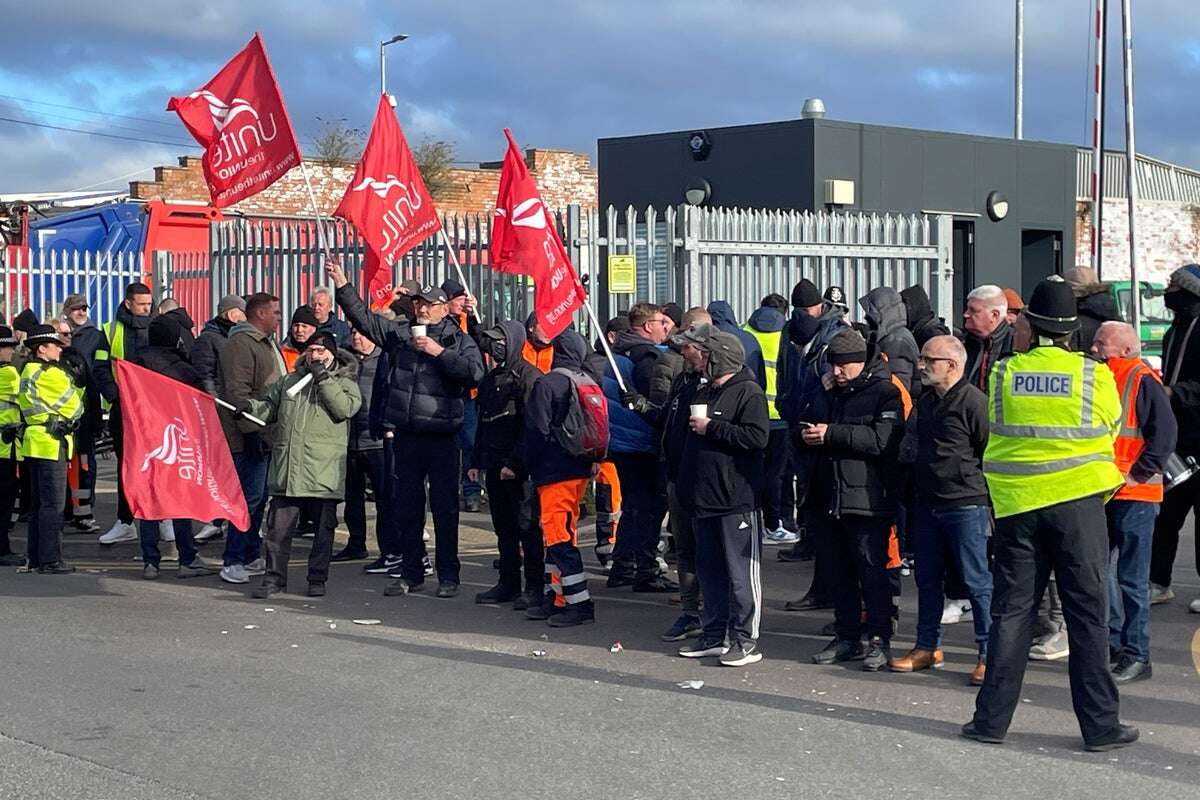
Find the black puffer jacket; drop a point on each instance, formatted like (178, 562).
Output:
(361, 437)
(1096, 306)
(887, 322)
(425, 394)
(207, 350)
(500, 441)
(920, 317)
(854, 471)
(170, 362)
(1181, 372)
(644, 354)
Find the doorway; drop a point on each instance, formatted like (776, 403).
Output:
(964, 265)
(1041, 256)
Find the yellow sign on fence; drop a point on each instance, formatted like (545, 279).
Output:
(622, 274)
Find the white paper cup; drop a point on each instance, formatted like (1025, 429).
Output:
(419, 330)
(699, 410)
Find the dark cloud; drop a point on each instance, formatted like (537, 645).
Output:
(567, 74)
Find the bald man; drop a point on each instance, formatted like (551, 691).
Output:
(945, 437)
(1146, 440)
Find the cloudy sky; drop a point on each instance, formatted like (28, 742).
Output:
(565, 74)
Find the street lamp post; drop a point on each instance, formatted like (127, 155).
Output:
(400, 37)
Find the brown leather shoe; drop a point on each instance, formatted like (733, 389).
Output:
(917, 659)
(978, 673)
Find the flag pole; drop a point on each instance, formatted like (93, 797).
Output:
(457, 267)
(612, 360)
(312, 198)
(233, 408)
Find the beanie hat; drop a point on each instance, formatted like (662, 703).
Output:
(230, 302)
(805, 294)
(1051, 307)
(165, 330)
(674, 312)
(1187, 278)
(26, 321)
(847, 347)
(305, 316)
(324, 339)
(1015, 303)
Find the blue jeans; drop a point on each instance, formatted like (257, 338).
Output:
(242, 547)
(964, 531)
(1130, 535)
(466, 443)
(148, 535)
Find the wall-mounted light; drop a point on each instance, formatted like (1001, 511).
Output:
(997, 206)
(697, 192)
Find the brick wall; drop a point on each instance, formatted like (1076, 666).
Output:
(562, 176)
(1168, 237)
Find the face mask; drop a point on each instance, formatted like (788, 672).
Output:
(499, 350)
(1178, 301)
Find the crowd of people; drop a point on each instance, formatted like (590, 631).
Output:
(989, 461)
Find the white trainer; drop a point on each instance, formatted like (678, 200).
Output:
(781, 535)
(119, 532)
(1160, 594)
(955, 610)
(257, 567)
(1194, 606)
(234, 573)
(166, 531)
(209, 531)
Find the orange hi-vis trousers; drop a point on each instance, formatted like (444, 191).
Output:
(564, 565)
(608, 509)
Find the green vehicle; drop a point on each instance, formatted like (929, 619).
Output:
(1155, 317)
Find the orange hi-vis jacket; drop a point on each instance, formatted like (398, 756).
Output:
(542, 359)
(1130, 372)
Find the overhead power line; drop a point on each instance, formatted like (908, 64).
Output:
(89, 110)
(192, 146)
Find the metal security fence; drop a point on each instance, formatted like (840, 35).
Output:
(696, 255)
(41, 281)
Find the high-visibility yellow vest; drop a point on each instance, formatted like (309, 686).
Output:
(769, 344)
(1053, 418)
(10, 412)
(47, 392)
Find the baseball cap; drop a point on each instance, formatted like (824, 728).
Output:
(431, 294)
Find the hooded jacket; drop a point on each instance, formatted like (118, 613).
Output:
(166, 354)
(854, 471)
(720, 473)
(503, 396)
(643, 354)
(804, 368)
(920, 318)
(425, 394)
(207, 350)
(887, 321)
(250, 362)
(361, 435)
(983, 353)
(1181, 372)
(546, 410)
(767, 326)
(1095, 305)
(725, 320)
(308, 455)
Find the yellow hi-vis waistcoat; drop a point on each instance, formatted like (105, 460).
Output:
(47, 392)
(768, 342)
(10, 412)
(1053, 418)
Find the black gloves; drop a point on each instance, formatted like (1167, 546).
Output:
(318, 371)
(634, 401)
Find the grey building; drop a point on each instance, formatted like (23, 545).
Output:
(808, 164)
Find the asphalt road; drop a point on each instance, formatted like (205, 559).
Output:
(114, 687)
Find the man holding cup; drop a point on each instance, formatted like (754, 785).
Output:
(720, 476)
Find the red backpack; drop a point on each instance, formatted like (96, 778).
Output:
(583, 432)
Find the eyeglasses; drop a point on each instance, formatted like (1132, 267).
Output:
(931, 359)
(79, 308)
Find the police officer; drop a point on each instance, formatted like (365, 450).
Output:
(1049, 464)
(50, 409)
(10, 425)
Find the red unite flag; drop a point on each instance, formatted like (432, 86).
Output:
(176, 463)
(387, 202)
(525, 242)
(239, 119)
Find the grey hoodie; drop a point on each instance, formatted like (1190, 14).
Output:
(887, 319)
